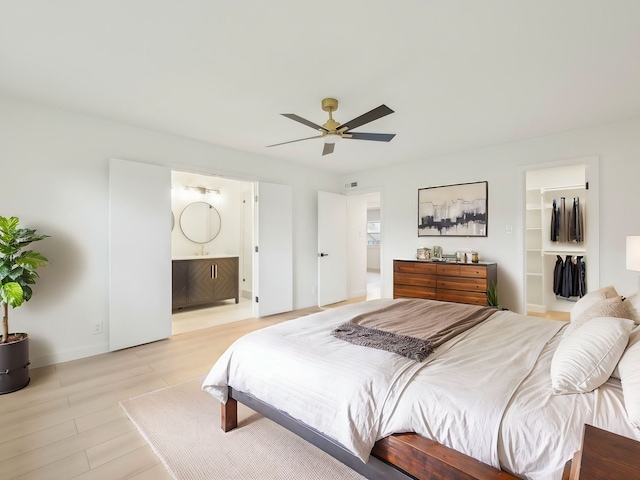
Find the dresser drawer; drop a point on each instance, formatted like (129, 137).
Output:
(462, 270)
(409, 291)
(414, 279)
(459, 296)
(463, 283)
(422, 268)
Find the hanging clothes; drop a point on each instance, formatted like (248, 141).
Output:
(569, 277)
(576, 233)
(564, 224)
(579, 283)
(555, 222)
(567, 225)
(557, 276)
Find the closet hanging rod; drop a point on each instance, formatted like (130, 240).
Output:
(565, 187)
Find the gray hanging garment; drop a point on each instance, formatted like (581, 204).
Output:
(578, 220)
(563, 222)
(558, 272)
(555, 222)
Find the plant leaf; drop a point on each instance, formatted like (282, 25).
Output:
(12, 294)
(31, 260)
(16, 273)
(8, 225)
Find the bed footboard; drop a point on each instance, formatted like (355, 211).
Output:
(424, 458)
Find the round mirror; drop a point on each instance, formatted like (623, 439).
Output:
(200, 222)
(173, 221)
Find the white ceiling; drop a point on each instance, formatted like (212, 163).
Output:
(459, 74)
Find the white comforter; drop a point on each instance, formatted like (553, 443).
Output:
(485, 393)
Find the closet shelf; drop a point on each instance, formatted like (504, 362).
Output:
(563, 252)
(563, 188)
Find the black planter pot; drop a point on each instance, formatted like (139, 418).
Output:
(14, 364)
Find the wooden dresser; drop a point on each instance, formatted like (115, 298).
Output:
(450, 282)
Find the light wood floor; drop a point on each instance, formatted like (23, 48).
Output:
(68, 423)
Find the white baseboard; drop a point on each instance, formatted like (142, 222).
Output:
(44, 360)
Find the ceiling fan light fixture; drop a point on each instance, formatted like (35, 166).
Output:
(332, 132)
(331, 138)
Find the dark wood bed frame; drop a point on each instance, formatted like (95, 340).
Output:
(400, 456)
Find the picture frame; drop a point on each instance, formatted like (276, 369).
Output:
(459, 210)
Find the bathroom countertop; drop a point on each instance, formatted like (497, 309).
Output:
(203, 257)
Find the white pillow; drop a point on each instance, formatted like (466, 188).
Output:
(634, 333)
(584, 360)
(591, 299)
(633, 306)
(629, 369)
(610, 307)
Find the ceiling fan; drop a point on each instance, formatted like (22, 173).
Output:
(332, 132)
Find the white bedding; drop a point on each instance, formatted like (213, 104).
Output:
(486, 393)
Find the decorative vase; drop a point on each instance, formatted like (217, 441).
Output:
(14, 364)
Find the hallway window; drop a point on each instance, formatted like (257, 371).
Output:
(373, 233)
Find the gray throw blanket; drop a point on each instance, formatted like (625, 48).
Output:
(412, 328)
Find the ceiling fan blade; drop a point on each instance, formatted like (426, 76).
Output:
(304, 121)
(294, 141)
(374, 114)
(328, 148)
(376, 137)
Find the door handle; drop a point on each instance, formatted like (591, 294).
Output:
(323, 254)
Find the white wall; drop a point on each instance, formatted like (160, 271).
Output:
(55, 178)
(617, 145)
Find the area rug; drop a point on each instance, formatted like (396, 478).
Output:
(182, 425)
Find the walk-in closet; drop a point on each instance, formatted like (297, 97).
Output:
(560, 236)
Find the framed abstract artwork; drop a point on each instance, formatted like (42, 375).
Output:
(453, 210)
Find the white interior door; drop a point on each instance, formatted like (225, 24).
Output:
(332, 248)
(139, 253)
(273, 265)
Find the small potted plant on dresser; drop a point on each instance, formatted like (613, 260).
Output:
(17, 274)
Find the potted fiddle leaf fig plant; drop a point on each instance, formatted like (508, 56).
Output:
(17, 273)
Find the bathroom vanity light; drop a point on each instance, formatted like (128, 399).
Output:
(203, 190)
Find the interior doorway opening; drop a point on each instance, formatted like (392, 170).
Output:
(233, 201)
(364, 245)
(374, 244)
(561, 235)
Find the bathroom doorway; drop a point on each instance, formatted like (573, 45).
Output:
(233, 201)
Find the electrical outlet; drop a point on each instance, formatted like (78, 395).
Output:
(97, 327)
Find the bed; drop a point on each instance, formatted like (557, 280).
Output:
(487, 403)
